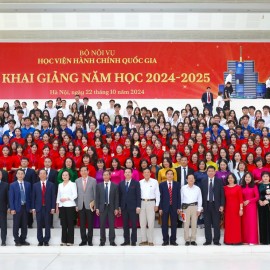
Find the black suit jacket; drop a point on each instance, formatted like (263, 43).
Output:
(204, 99)
(178, 171)
(88, 110)
(52, 177)
(30, 176)
(113, 197)
(4, 175)
(132, 199)
(218, 190)
(3, 196)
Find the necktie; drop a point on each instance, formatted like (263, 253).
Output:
(85, 107)
(126, 186)
(106, 194)
(208, 98)
(211, 193)
(43, 193)
(185, 175)
(84, 184)
(170, 192)
(22, 194)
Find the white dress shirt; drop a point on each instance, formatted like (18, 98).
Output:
(150, 190)
(67, 191)
(267, 83)
(52, 111)
(191, 195)
(228, 78)
(266, 118)
(66, 111)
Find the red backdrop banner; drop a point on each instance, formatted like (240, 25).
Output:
(143, 70)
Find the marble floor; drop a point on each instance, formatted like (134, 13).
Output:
(200, 257)
(134, 261)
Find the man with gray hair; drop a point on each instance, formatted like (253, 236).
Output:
(85, 204)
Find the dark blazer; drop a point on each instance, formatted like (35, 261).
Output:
(204, 99)
(132, 199)
(52, 177)
(4, 175)
(88, 109)
(30, 176)
(218, 192)
(15, 196)
(178, 171)
(49, 197)
(164, 204)
(113, 197)
(3, 196)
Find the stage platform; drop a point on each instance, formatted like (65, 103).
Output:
(55, 247)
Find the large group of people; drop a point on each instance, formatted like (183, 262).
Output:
(116, 168)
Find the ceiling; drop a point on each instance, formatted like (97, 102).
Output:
(120, 20)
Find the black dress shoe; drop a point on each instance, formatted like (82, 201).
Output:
(113, 244)
(193, 243)
(46, 244)
(207, 244)
(133, 244)
(217, 244)
(165, 244)
(25, 243)
(83, 244)
(90, 244)
(102, 244)
(187, 243)
(40, 244)
(3, 244)
(125, 244)
(173, 244)
(18, 244)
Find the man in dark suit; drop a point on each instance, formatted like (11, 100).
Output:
(30, 177)
(3, 209)
(130, 205)
(20, 206)
(183, 171)
(51, 173)
(213, 203)
(107, 206)
(51, 177)
(43, 205)
(30, 174)
(4, 175)
(170, 205)
(85, 108)
(208, 99)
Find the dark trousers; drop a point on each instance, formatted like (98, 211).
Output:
(108, 213)
(67, 215)
(210, 108)
(165, 228)
(211, 219)
(20, 220)
(227, 105)
(43, 221)
(3, 226)
(30, 220)
(130, 215)
(86, 215)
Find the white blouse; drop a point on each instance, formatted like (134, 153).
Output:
(67, 191)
